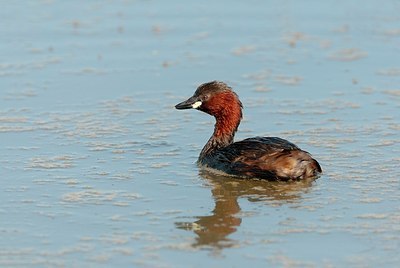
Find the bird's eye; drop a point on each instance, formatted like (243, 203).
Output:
(206, 97)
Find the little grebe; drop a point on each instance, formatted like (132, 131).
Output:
(268, 158)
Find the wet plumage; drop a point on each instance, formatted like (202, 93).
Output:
(268, 158)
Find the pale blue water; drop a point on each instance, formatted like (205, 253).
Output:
(98, 169)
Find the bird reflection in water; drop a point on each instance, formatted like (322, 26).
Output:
(213, 230)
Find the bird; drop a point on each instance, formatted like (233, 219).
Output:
(269, 158)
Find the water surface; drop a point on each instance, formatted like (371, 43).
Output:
(98, 168)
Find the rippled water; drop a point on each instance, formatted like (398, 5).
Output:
(98, 168)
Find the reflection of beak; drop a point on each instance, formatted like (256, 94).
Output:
(192, 102)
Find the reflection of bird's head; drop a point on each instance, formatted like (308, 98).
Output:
(214, 230)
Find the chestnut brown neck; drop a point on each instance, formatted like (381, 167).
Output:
(227, 110)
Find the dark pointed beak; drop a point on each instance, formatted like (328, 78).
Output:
(187, 104)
